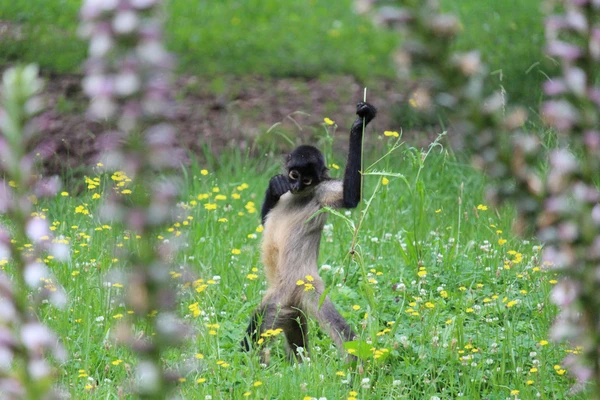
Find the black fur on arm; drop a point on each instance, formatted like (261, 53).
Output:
(278, 185)
(352, 187)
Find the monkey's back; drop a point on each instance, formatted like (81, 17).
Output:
(290, 242)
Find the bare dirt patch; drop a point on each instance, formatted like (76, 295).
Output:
(223, 114)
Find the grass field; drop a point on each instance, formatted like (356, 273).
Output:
(275, 37)
(510, 36)
(305, 38)
(447, 302)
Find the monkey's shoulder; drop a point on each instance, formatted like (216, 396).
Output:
(330, 193)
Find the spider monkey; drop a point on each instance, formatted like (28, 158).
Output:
(290, 247)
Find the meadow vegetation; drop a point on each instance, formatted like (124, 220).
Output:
(306, 38)
(449, 302)
(446, 301)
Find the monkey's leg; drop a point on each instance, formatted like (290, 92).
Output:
(253, 331)
(331, 321)
(295, 328)
(271, 315)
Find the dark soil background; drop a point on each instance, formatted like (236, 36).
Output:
(225, 114)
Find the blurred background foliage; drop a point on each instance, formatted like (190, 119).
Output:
(280, 38)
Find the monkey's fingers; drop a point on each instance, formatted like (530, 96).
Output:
(280, 185)
(366, 110)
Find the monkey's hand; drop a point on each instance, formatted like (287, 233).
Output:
(365, 111)
(278, 185)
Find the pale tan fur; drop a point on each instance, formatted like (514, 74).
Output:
(290, 252)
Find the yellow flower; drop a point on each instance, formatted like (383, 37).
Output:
(201, 288)
(501, 241)
(514, 392)
(81, 210)
(429, 305)
(529, 382)
(64, 194)
(299, 282)
(356, 307)
(204, 172)
(95, 196)
(200, 380)
(391, 133)
(335, 166)
(543, 342)
(116, 362)
(250, 207)
(257, 383)
(328, 121)
(439, 210)
(126, 191)
(444, 294)
(385, 181)
(210, 206)
(533, 370)
(120, 176)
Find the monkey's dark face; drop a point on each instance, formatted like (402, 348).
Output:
(300, 180)
(306, 168)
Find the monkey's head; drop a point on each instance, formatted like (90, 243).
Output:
(306, 168)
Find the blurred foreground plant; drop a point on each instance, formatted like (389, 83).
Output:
(26, 343)
(560, 205)
(128, 82)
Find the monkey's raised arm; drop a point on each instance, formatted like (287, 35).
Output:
(352, 188)
(278, 185)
